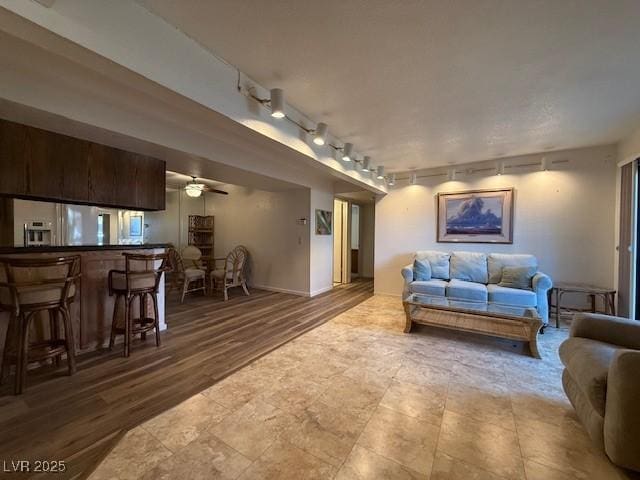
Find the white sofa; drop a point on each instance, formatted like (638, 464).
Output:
(475, 276)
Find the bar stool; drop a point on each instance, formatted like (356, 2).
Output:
(29, 286)
(140, 278)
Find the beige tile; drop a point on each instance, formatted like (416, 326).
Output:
(422, 374)
(241, 387)
(477, 376)
(565, 447)
(482, 405)
(183, 423)
(355, 398)
(327, 432)
(363, 464)
(538, 406)
(136, 453)
(419, 401)
(484, 445)
(295, 395)
(253, 428)
(205, 458)
(403, 439)
(537, 471)
(283, 461)
(449, 468)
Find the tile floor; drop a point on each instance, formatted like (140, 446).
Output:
(358, 399)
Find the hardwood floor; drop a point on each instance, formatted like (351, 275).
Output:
(78, 419)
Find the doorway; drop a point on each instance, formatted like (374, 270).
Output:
(341, 246)
(355, 241)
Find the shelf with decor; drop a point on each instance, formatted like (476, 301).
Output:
(201, 233)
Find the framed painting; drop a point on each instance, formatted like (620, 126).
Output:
(323, 222)
(476, 216)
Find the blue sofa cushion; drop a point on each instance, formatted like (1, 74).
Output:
(439, 263)
(429, 287)
(469, 266)
(421, 270)
(511, 296)
(475, 292)
(517, 277)
(497, 261)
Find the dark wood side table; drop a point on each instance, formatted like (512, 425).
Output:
(608, 296)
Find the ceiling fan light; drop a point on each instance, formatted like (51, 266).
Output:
(320, 135)
(277, 103)
(347, 152)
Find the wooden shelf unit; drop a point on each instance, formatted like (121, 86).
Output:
(201, 233)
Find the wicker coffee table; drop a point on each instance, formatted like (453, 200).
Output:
(515, 323)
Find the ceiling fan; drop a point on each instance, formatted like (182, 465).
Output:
(195, 189)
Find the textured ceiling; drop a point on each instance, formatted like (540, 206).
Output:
(418, 83)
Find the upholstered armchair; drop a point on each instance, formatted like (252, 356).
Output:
(602, 380)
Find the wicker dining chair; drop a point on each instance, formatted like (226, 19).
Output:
(233, 272)
(183, 276)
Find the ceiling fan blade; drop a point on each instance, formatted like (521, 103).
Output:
(214, 190)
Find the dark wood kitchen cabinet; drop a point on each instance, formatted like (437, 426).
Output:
(42, 165)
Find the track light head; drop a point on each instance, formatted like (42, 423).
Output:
(413, 178)
(451, 175)
(277, 103)
(544, 165)
(500, 169)
(366, 164)
(347, 152)
(320, 135)
(391, 180)
(380, 173)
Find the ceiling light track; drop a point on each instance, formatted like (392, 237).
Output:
(320, 133)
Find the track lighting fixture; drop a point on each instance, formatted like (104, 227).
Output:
(544, 166)
(500, 169)
(277, 103)
(347, 152)
(451, 175)
(391, 181)
(320, 134)
(380, 173)
(366, 164)
(413, 178)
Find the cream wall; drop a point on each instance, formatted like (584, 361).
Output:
(367, 240)
(267, 223)
(564, 216)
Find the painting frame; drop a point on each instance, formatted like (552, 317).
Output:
(487, 232)
(324, 222)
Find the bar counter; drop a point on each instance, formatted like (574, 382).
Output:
(92, 309)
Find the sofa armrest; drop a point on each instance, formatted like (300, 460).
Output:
(605, 328)
(407, 273)
(622, 410)
(541, 283)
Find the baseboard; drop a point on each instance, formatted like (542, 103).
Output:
(321, 290)
(280, 290)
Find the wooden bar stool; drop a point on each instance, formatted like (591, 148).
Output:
(29, 286)
(140, 278)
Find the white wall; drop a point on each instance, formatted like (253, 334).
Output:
(321, 246)
(564, 216)
(629, 147)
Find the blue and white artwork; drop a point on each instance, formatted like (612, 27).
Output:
(476, 216)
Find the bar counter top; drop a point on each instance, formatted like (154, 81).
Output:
(78, 248)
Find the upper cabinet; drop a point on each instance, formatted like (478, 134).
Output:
(43, 165)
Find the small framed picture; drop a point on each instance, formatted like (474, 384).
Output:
(476, 216)
(135, 226)
(323, 222)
